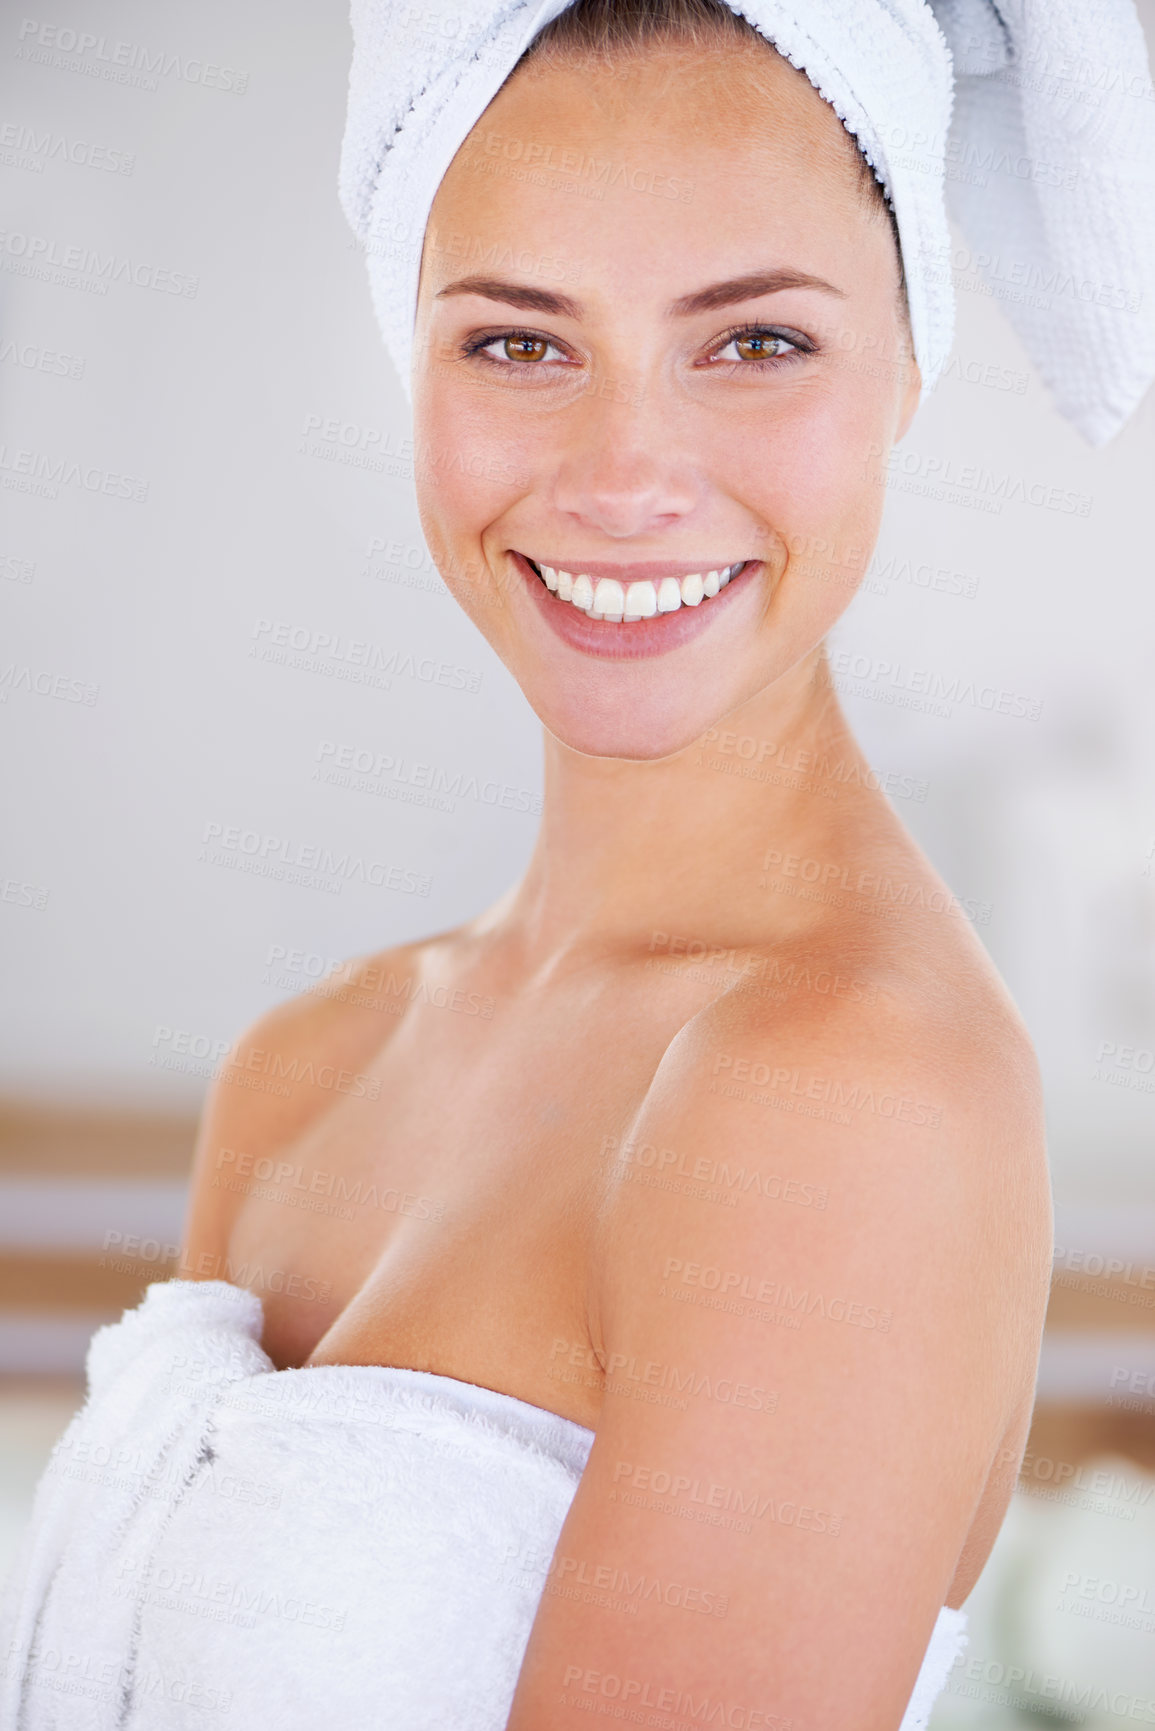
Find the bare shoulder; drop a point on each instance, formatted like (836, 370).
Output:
(295, 1063)
(909, 1102)
(821, 1277)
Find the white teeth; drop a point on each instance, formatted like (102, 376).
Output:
(641, 600)
(609, 599)
(613, 602)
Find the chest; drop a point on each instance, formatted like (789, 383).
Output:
(442, 1212)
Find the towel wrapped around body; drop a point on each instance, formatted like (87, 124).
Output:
(216, 1543)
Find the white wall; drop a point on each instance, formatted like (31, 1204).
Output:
(208, 397)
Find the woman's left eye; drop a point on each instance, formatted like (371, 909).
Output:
(751, 346)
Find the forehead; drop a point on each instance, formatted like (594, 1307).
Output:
(645, 156)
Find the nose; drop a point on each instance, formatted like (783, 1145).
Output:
(618, 470)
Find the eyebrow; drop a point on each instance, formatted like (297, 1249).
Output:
(706, 300)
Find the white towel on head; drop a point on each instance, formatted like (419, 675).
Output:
(1051, 177)
(1048, 159)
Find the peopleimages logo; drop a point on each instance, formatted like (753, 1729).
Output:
(43, 683)
(27, 471)
(17, 138)
(38, 359)
(369, 771)
(940, 477)
(40, 254)
(832, 877)
(329, 653)
(121, 62)
(309, 863)
(891, 682)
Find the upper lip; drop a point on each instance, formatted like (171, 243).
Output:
(643, 571)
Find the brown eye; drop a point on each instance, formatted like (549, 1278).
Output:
(759, 345)
(525, 348)
(516, 347)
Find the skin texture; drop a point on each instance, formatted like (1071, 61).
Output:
(702, 971)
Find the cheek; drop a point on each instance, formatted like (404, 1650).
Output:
(469, 466)
(814, 476)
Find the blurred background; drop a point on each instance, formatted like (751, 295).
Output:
(203, 469)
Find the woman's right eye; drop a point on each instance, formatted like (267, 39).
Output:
(515, 348)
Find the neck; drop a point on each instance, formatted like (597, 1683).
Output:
(627, 849)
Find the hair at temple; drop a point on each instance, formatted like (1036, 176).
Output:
(610, 29)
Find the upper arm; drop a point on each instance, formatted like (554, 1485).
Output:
(807, 1382)
(235, 1116)
(276, 1079)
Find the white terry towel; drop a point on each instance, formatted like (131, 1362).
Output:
(1048, 159)
(217, 1543)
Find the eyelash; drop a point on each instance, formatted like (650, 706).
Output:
(801, 346)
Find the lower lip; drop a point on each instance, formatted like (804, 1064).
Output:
(642, 637)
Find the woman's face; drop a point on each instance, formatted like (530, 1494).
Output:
(658, 335)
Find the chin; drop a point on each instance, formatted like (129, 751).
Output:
(631, 747)
(643, 734)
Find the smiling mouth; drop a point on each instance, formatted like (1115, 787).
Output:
(626, 603)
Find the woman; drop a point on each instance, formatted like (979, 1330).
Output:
(660, 1340)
